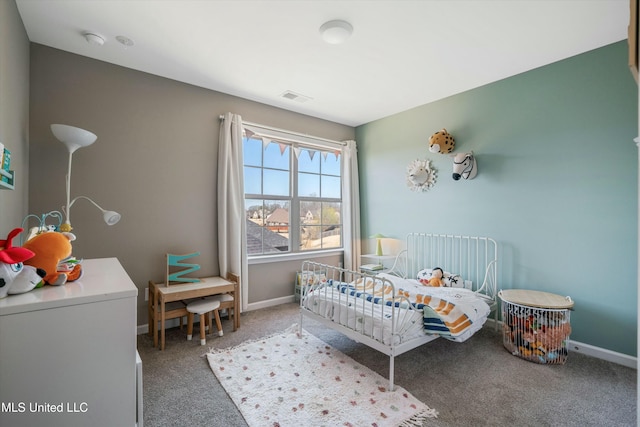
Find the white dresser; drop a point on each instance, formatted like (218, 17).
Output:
(68, 353)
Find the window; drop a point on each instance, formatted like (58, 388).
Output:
(293, 196)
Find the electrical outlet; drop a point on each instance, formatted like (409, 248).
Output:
(146, 294)
(468, 284)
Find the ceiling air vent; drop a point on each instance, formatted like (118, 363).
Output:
(295, 96)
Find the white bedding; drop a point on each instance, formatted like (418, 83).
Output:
(375, 320)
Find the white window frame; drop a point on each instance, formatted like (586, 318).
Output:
(304, 142)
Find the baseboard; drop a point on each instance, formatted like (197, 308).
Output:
(604, 354)
(270, 303)
(593, 351)
(576, 346)
(172, 323)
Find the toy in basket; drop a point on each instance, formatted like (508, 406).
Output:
(536, 325)
(308, 278)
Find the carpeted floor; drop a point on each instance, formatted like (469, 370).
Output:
(476, 383)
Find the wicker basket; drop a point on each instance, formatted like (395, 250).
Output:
(536, 325)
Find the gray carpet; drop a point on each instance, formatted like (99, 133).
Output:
(475, 383)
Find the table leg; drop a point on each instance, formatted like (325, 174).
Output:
(236, 309)
(150, 306)
(154, 327)
(162, 315)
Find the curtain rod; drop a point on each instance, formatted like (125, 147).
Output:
(302, 135)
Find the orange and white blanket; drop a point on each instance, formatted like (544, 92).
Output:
(452, 313)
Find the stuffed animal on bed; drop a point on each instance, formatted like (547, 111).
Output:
(50, 249)
(436, 278)
(445, 279)
(441, 142)
(13, 278)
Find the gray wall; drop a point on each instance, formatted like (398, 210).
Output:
(14, 113)
(557, 184)
(154, 162)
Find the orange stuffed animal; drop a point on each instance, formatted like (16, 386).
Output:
(50, 249)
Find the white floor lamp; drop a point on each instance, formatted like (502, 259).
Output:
(75, 138)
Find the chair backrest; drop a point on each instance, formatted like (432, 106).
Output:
(233, 278)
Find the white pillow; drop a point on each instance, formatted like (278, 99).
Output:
(448, 279)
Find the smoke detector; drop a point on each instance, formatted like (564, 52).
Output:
(94, 39)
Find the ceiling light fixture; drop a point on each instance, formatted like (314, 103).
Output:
(93, 38)
(336, 31)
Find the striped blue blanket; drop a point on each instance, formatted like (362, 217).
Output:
(452, 313)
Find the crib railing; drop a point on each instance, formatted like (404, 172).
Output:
(343, 296)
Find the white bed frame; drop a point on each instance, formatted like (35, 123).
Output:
(473, 258)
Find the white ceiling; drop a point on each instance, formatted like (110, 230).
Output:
(402, 53)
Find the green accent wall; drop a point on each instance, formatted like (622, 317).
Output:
(556, 185)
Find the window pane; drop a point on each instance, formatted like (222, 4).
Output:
(331, 164)
(276, 156)
(332, 237)
(310, 237)
(308, 185)
(276, 182)
(306, 163)
(310, 212)
(268, 226)
(330, 213)
(268, 183)
(252, 152)
(252, 180)
(254, 213)
(330, 187)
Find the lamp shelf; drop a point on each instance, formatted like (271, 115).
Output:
(380, 257)
(7, 185)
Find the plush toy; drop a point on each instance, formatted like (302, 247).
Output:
(11, 265)
(50, 249)
(29, 278)
(432, 277)
(436, 277)
(441, 142)
(420, 175)
(464, 166)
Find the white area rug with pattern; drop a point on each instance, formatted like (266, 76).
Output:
(286, 380)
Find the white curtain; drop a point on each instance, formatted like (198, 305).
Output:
(351, 206)
(232, 236)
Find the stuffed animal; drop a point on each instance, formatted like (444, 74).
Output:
(441, 142)
(464, 166)
(29, 278)
(420, 175)
(50, 249)
(436, 277)
(432, 277)
(11, 264)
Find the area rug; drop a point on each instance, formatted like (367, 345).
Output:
(287, 380)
